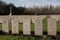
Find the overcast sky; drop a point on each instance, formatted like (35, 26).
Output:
(28, 3)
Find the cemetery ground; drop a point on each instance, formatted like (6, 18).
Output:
(23, 37)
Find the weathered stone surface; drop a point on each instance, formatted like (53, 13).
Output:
(20, 19)
(5, 25)
(51, 26)
(26, 26)
(0, 20)
(35, 16)
(38, 26)
(15, 26)
(57, 17)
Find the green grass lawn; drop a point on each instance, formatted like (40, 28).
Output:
(12, 37)
(2, 37)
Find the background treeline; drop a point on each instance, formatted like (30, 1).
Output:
(35, 10)
(5, 9)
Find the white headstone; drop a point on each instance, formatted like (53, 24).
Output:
(26, 26)
(5, 25)
(38, 27)
(15, 26)
(51, 26)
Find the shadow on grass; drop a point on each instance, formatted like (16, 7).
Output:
(21, 33)
(45, 36)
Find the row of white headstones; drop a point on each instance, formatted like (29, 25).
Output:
(26, 20)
